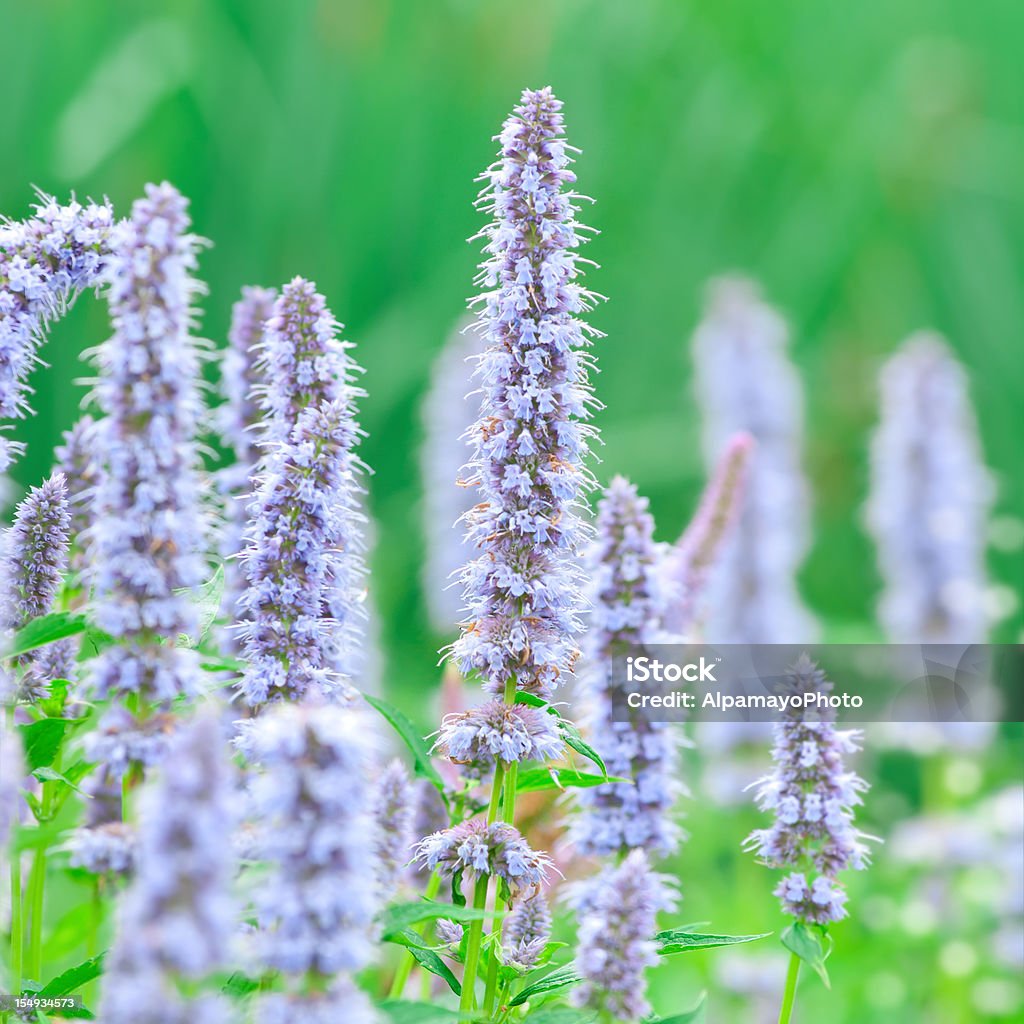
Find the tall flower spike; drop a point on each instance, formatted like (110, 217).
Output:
(32, 567)
(930, 496)
(618, 913)
(691, 561)
(530, 442)
(315, 824)
(627, 604)
(147, 540)
(744, 381)
(812, 796)
(449, 411)
(526, 932)
(78, 460)
(177, 920)
(239, 418)
(303, 609)
(394, 808)
(45, 262)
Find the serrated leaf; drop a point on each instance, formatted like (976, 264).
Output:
(45, 630)
(811, 945)
(675, 940)
(400, 1011)
(534, 780)
(41, 740)
(397, 918)
(410, 736)
(73, 979)
(431, 962)
(561, 978)
(49, 775)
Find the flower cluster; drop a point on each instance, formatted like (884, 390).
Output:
(177, 920)
(393, 810)
(239, 421)
(78, 459)
(530, 442)
(497, 731)
(147, 537)
(342, 1001)
(692, 559)
(314, 817)
(32, 566)
(476, 848)
(449, 411)
(618, 918)
(44, 262)
(745, 382)
(930, 497)
(812, 796)
(526, 932)
(628, 602)
(302, 611)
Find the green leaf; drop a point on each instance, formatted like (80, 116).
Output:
(42, 836)
(572, 737)
(677, 941)
(534, 701)
(218, 663)
(49, 775)
(400, 1011)
(67, 932)
(812, 945)
(561, 978)
(411, 737)
(73, 978)
(690, 1017)
(535, 779)
(397, 918)
(45, 630)
(94, 641)
(239, 985)
(207, 599)
(431, 962)
(42, 740)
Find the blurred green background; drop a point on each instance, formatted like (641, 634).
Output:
(864, 161)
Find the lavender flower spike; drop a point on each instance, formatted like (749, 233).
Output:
(393, 810)
(526, 932)
(618, 919)
(449, 411)
(32, 568)
(148, 537)
(315, 822)
(44, 262)
(693, 559)
(930, 496)
(812, 796)
(177, 920)
(628, 603)
(239, 421)
(530, 443)
(744, 381)
(79, 462)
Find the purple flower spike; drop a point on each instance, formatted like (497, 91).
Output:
(147, 540)
(526, 932)
(44, 262)
(618, 912)
(812, 796)
(628, 604)
(694, 558)
(930, 498)
(530, 443)
(393, 810)
(745, 381)
(78, 459)
(32, 567)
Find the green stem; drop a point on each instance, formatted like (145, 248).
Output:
(405, 967)
(476, 932)
(17, 923)
(496, 786)
(789, 995)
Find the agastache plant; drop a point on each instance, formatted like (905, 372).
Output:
(811, 794)
(45, 261)
(394, 807)
(315, 829)
(240, 419)
(32, 564)
(528, 452)
(930, 496)
(618, 918)
(744, 381)
(302, 609)
(147, 539)
(177, 921)
(627, 601)
(79, 461)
